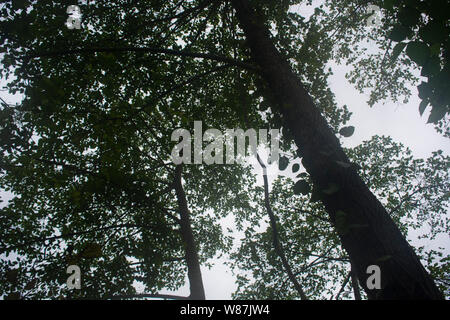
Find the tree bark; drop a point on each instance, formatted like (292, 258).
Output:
(365, 228)
(193, 265)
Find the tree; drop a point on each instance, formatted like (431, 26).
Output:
(87, 152)
(413, 191)
(322, 155)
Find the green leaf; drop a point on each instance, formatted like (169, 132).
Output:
(418, 52)
(437, 113)
(399, 33)
(347, 131)
(295, 167)
(13, 296)
(302, 187)
(432, 67)
(11, 275)
(92, 250)
(303, 175)
(409, 16)
(435, 49)
(283, 163)
(397, 50)
(425, 90)
(423, 105)
(19, 4)
(438, 10)
(388, 4)
(30, 285)
(433, 32)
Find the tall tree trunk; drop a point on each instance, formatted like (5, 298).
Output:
(193, 265)
(365, 228)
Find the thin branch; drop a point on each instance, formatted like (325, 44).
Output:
(341, 259)
(276, 241)
(173, 259)
(67, 235)
(312, 214)
(149, 295)
(408, 197)
(343, 285)
(172, 52)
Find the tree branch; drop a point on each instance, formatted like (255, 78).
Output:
(171, 52)
(67, 235)
(343, 285)
(276, 241)
(149, 295)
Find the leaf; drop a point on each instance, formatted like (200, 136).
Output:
(433, 32)
(283, 163)
(13, 296)
(30, 285)
(302, 187)
(397, 50)
(425, 90)
(388, 4)
(418, 52)
(303, 175)
(409, 16)
(71, 260)
(435, 49)
(347, 131)
(19, 4)
(295, 167)
(437, 113)
(92, 250)
(11, 275)
(423, 105)
(399, 33)
(432, 67)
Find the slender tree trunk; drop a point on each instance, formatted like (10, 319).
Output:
(365, 228)
(193, 265)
